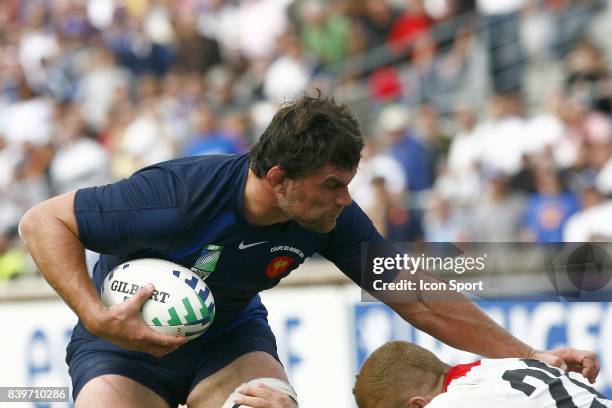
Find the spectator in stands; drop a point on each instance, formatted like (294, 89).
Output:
(290, 72)
(38, 45)
(378, 185)
(571, 21)
(547, 210)
(436, 76)
(524, 180)
(572, 116)
(427, 126)
(195, 51)
(220, 93)
(463, 151)
(324, 32)
(443, 223)
(406, 148)
(140, 86)
(486, 224)
(235, 124)
(458, 177)
(502, 138)
(13, 257)
(376, 19)
(142, 40)
(103, 79)
(80, 160)
(143, 141)
(9, 157)
(593, 222)
(598, 137)
(461, 7)
(206, 137)
(29, 119)
(409, 26)
(506, 56)
(588, 78)
(260, 23)
(403, 222)
(30, 184)
(395, 220)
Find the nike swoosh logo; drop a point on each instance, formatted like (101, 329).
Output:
(242, 245)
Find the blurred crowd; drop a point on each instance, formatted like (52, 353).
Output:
(463, 142)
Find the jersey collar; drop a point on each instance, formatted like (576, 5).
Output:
(458, 371)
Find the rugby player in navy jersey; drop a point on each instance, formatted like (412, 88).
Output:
(242, 222)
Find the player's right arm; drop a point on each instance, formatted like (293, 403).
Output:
(448, 316)
(49, 231)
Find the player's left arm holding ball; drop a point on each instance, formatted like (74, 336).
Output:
(57, 243)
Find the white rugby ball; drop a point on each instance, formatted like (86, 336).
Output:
(181, 304)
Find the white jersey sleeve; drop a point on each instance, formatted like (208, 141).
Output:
(518, 383)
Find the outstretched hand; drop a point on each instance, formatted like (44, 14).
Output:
(124, 326)
(569, 359)
(262, 396)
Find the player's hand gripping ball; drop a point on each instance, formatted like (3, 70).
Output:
(181, 304)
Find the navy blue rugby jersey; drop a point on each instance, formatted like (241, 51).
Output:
(190, 211)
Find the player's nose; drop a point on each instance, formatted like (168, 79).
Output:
(344, 198)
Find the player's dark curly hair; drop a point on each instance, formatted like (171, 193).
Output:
(306, 134)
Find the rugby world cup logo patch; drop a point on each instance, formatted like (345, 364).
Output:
(207, 261)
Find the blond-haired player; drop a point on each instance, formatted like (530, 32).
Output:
(403, 375)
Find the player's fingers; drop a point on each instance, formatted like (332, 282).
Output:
(140, 297)
(249, 390)
(553, 360)
(583, 362)
(267, 391)
(590, 367)
(273, 397)
(258, 390)
(281, 398)
(159, 347)
(252, 402)
(166, 341)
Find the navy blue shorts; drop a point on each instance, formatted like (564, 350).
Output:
(174, 375)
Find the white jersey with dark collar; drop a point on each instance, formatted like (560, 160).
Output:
(515, 383)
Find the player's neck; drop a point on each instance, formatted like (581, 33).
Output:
(439, 388)
(426, 394)
(259, 203)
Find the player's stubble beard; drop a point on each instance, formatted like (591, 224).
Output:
(290, 202)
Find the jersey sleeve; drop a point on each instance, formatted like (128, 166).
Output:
(353, 242)
(143, 212)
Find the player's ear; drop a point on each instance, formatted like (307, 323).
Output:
(417, 402)
(277, 178)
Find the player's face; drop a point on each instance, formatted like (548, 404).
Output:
(316, 201)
